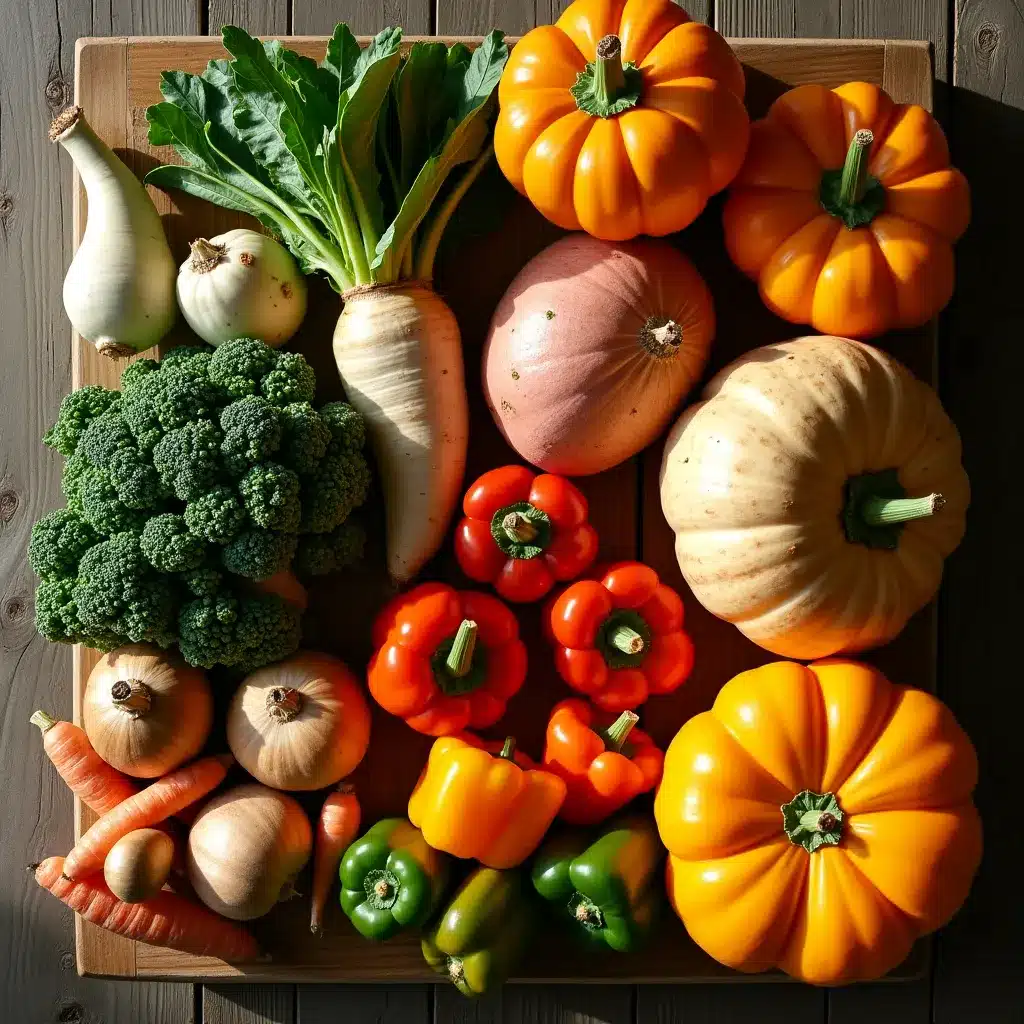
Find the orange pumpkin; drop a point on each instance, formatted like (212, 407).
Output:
(877, 839)
(846, 210)
(622, 118)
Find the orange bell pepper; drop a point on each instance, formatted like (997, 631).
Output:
(479, 806)
(446, 659)
(604, 761)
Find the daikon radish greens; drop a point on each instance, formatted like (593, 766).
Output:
(350, 162)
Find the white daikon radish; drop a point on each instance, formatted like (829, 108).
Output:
(119, 289)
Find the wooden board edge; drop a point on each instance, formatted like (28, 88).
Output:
(907, 71)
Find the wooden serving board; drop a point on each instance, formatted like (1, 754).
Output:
(495, 233)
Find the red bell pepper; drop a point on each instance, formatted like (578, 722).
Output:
(522, 532)
(604, 761)
(620, 638)
(446, 660)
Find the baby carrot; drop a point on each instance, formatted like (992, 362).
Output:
(337, 828)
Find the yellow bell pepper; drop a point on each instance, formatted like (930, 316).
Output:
(494, 808)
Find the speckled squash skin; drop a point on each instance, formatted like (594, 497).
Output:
(753, 483)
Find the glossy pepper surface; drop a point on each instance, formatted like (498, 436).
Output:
(523, 532)
(877, 839)
(483, 932)
(620, 638)
(391, 879)
(446, 659)
(606, 888)
(490, 807)
(604, 760)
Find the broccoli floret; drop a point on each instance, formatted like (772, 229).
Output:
(119, 593)
(137, 483)
(304, 437)
(339, 485)
(238, 366)
(246, 632)
(259, 553)
(134, 372)
(71, 480)
(182, 355)
(58, 542)
(166, 400)
(102, 507)
(104, 437)
(139, 409)
(216, 516)
(188, 459)
(203, 582)
(348, 431)
(291, 380)
(271, 496)
(57, 617)
(77, 411)
(252, 433)
(168, 545)
(320, 553)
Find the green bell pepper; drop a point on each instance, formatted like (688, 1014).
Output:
(391, 879)
(483, 931)
(605, 887)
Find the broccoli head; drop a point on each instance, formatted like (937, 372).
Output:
(304, 437)
(188, 459)
(180, 355)
(271, 496)
(291, 380)
(321, 553)
(103, 508)
(203, 582)
(252, 433)
(134, 372)
(238, 366)
(104, 436)
(169, 546)
(71, 480)
(348, 431)
(58, 542)
(138, 407)
(216, 516)
(137, 483)
(168, 399)
(57, 617)
(339, 485)
(242, 632)
(259, 553)
(118, 592)
(77, 411)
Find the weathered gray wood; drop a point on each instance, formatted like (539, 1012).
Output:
(249, 1004)
(908, 1002)
(472, 17)
(450, 1007)
(363, 1004)
(979, 954)
(767, 1003)
(318, 17)
(263, 16)
(568, 1004)
(786, 18)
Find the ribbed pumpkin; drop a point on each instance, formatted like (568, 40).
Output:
(814, 494)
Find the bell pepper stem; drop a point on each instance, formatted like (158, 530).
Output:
(609, 78)
(518, 528)
(617, 733)
(877, 511)
(456, 971)
(460, 657)
(508, 750)
(854, 180)
(626, 639)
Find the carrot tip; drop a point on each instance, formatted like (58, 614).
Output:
(316, 929)
(33, 867)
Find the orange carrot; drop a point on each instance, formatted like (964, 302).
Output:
(337, 828)
(165, 920)
(88, 776)
(163, 798)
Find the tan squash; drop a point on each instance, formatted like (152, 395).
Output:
(814, 495)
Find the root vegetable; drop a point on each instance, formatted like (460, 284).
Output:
(138, 864)
(336, 829)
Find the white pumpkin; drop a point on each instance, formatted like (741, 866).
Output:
(814, 495)
(241, 285)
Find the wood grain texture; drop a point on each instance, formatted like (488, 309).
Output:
(364, 1004)
(318, 17)
(249, 1004)
(38, 980)
(977, 970)
(262, 17)
(730, 1004)
(475, 17)
(909, 1003)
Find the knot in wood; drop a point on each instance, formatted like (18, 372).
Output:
(8, 502)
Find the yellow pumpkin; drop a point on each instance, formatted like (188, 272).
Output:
(814, 494)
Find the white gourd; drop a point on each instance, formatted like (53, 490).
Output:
(119, 289)
(241, 285)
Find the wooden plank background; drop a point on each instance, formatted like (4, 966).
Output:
(979, 55)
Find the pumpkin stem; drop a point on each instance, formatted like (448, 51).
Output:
(460, 657)
(877, 511)
(617, 733)
(661, 336)
(851, 194)
(813, 820)
(205, 256)
(132, 696)
(518, 527)
(853, 183)
(284, 703)
(607, 86)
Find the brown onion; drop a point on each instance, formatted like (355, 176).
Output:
(138, 864)
(146, 711)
